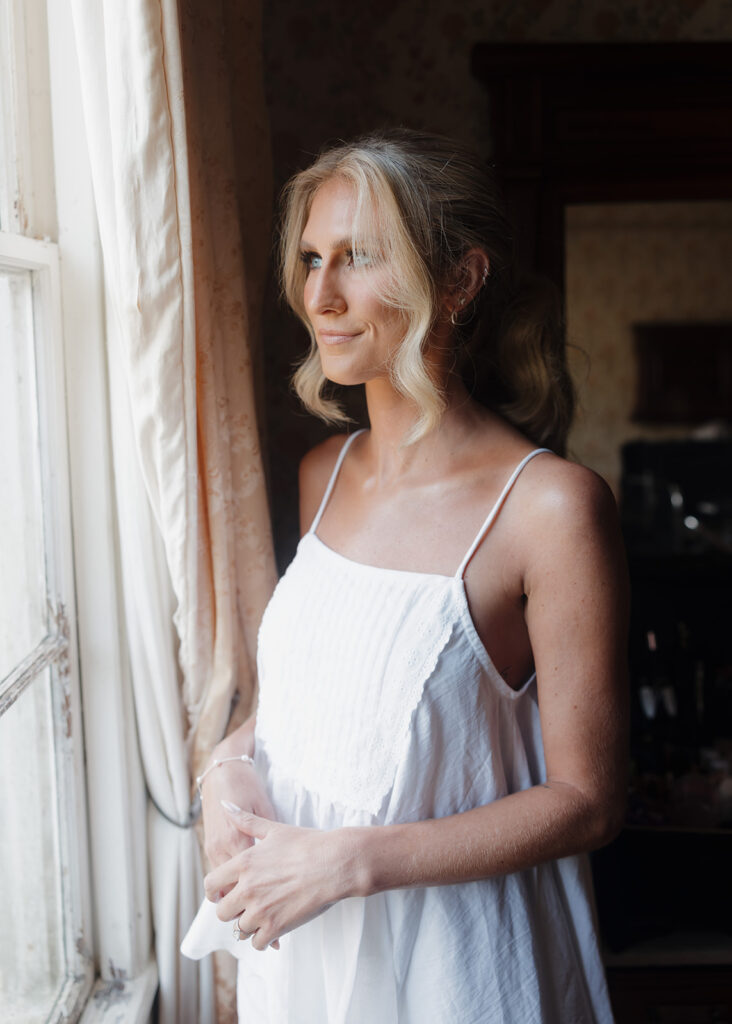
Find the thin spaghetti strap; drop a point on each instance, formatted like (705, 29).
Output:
(496, 509)
(333, 478)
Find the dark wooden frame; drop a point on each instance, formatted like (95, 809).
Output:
(588, 123)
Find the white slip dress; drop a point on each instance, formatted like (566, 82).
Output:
(379, 704)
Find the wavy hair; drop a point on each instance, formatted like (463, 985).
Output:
(439, 202)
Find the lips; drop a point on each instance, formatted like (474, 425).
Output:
(337, 337)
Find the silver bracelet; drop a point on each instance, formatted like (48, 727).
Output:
(216, 763)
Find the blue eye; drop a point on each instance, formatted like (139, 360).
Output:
(311, 260)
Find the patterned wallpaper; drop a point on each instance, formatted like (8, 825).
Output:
(334, 69)
(635, 263)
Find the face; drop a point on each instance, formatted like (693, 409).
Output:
(355, 330)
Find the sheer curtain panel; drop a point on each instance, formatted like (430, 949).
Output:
(169, 164)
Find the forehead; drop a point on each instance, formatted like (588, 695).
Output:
(331, 211)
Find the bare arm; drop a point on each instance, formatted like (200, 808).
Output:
(576, 588)
(576, 611)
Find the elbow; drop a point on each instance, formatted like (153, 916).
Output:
(607, 820)
(597, 814)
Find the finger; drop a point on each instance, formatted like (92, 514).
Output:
(217, 897)
(231, 906)
(248, 823)
(239, 930)
(224, 877)
(260, 940)
(223, 851)
(243, 928)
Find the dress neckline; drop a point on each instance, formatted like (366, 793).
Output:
(377, 568)
(457, 583)
(471, 550)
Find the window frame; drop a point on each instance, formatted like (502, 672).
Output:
(46, 191)
(57, 651)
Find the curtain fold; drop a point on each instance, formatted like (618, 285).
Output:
(231, 195)
(184, 299)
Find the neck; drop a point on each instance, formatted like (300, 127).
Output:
(391, 416)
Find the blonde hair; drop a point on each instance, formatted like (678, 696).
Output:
(428, 201)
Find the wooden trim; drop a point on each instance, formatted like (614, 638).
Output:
(586, 123)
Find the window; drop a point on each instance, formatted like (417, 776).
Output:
(46, 967)
(72, 797)
(45, 960)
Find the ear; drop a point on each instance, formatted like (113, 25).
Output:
(476, 269)
(473, 274)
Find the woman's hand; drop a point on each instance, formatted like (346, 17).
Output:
(288, 877)
(237, 782)
(240, 784)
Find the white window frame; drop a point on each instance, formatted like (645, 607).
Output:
(57, 651)
(46, 191)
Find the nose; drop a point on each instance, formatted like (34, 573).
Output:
(323, 291)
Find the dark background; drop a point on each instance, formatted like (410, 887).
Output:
(334, 70)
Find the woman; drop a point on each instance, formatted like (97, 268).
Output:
(441, 725)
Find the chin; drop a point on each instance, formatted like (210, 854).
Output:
(347, 376)
(346, 380)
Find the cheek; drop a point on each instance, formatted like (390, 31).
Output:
(385, 317)
(392, 322)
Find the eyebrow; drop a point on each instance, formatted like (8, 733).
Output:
(342, 243)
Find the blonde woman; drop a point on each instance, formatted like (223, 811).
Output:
(441, 727)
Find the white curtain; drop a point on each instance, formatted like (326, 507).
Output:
(194, 534)
(129, 58)
(175, 869)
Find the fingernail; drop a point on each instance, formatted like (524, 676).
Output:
(231, 808)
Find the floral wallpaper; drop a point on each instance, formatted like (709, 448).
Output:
(635, 263)
(333, 70)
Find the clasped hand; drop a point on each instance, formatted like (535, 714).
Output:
(286, 878)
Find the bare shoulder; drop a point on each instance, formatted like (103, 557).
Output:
(570, 515)
(316, 467)
(561, 490)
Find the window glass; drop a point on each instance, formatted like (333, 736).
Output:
(23, 604)
(32, 960)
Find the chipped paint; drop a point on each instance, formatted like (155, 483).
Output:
(63, 667)
(63, 631)
(112, 992)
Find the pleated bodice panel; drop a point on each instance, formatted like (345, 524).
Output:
(381, 684)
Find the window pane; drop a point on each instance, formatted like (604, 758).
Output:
(32, 961)
(23, 610)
